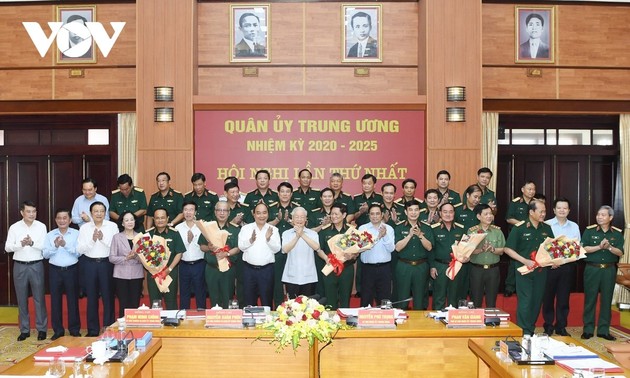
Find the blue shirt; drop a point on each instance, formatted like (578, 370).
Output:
(61, 256)
(382, 250)
(82, 204)
(569, 229)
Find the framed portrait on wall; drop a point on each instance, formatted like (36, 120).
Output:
(74, 41)
(361, 33)
(534, 31)
(250, 33)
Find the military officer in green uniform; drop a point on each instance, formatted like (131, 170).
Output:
(166, 198)
(603, 245)
(465, 215)
(336, 184)
(280, 216)
(319, 217)
(524, 239)
(221, 284)
(409, 192)
(484, 262)
(204, 198)
(262, 191)
(518, 211)
(445, 234)
(363, 200)
(484, 175)
(177, 247)
(393, 212)
(414, 241)
(306, 196)
(128, 198)
(430, 213)
(337, 288)
(443, 180)
(240, 214)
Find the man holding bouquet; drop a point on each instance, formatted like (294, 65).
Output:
(523, 241)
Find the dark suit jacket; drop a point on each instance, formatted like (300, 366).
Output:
(543, 51)
(371, 49)
(242, 49)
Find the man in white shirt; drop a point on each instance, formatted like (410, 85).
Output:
(300, 244)
(25, 240)
(192, 266)
(259, 242)
(560, 279)
(95, 239)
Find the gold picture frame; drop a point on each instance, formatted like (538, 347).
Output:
(534, 30)
(250, 33)
(74, 41)
(361, 33)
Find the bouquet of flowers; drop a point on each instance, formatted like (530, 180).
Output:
(558, 251)
(301, 318)
(218, 238)
(153, 253)
(462, 251)
(344, 245)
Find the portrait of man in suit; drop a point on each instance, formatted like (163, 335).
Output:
(534, 42)
(250, 34)
(362, 34)
(74, 41)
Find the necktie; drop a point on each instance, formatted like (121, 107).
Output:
(360, 52)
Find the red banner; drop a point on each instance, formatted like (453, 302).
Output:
(388, 144)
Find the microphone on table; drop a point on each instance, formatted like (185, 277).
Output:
(388, 306)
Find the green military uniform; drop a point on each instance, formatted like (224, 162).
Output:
(337, 288)
(453, 196)
(599, 277)
(252, 198)
(401, 201)
(424, 216)
(359, 200)
(445, 290)
(316, 217)
(413, 267)
(519, 210)
(530, 288)
(221, 284)
(205, 204)
(137, 200)
(487, 196)
(346, 199)
(175, 245)
(308, 200)
(467, 217)
(281, 258)
(248, 217)
(397, 208)
(484, 268)
(172, 202)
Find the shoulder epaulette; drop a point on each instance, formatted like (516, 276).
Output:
(150, 229)
(115, 191)
(138, 189)
(473, 228)
(398, 204)
(244, 204)
(398, 201)
(187, 193)
(295, 190)
(458, 224)
(358, 195)
(275, 203)
(252, 191)
(400, 222)
(591, 226)
(213, 193)
(326, 226)
(495, 227)
(295, 203)
(418, 199)
(615, 228)
(516, 199)
(424, 210)
(519, 224)
(317, 209)
(434, 225)
(458, 205)
(177, 191)
(173, 229)
(234, 224)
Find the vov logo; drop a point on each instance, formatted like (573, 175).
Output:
(74, 39)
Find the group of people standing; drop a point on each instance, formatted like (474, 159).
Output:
(278, 245)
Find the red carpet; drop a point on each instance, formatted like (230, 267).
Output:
(506, 304)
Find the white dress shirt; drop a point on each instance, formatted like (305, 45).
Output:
(261, 252)
(300, 267)
(193, 251)
(99, 248)
(17, 232)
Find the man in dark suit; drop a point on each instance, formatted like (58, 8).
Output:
(534, 47)
(366, 46)
(79, 40)
(249, 24)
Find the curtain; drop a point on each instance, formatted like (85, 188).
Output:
(622, 294)
(127, 144)
(490, 144)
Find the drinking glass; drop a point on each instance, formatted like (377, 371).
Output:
(233, 305)
(56, 368)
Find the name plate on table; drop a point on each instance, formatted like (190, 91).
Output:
(466, 318)
(142, 318)
(376, 319)
(224, 318)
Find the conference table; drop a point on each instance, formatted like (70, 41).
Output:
(141, 367)
(421, 346)
(490, 365)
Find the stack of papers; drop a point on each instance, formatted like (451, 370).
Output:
(586, 363)
(345, 312)
(558, 350)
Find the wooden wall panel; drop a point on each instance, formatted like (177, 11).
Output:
(124, 50)
(498, 34)
(326, 81)
(455, 24)
(175, 162)
(512, 82)
(26, 84)
(229, 80)
(594, 84)
(16, 46)
(98, 83)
